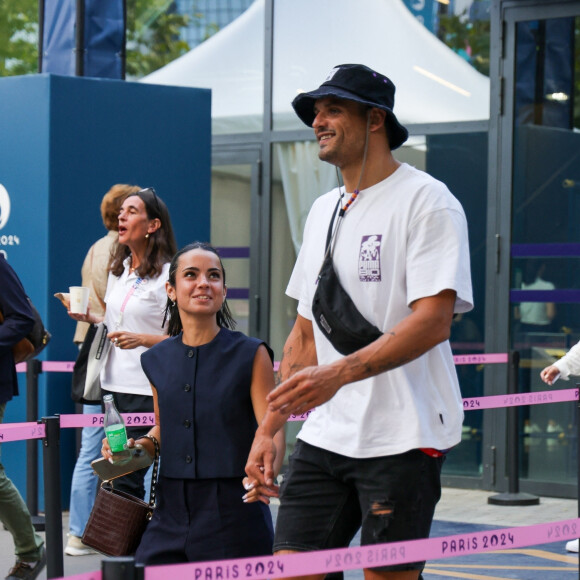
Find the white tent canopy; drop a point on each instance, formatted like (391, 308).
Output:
(434, 84)
(312, 36)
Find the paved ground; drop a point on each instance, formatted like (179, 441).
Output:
(459, 511)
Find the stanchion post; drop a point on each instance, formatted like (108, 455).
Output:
(513, 497)
(121, 568)
(52, 502)
(513, 427)
(33, 369)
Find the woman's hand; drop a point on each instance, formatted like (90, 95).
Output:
(146, 444)
(106, 450)
(88, 317)
(108, 454)
(125, 340)
(258, 492)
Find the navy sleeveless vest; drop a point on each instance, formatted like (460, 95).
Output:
(206, 414)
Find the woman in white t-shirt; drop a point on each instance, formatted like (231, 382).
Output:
(135, 303)
(536, 316)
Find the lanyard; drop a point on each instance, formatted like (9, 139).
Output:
(124, 305)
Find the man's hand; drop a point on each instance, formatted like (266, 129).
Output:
(305, 390)
(260, 465)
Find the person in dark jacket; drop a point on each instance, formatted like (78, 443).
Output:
(209, 389)
(18, 322)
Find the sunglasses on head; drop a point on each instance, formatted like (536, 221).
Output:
(155, 199)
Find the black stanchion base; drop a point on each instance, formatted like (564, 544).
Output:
(513, 499)
(38, 523)
(121, 568)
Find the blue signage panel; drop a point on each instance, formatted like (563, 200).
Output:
(64, 142)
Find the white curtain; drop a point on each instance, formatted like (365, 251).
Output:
(304, 178)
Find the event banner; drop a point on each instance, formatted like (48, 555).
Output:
(83, 38)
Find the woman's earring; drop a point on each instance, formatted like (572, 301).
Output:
(146, 236)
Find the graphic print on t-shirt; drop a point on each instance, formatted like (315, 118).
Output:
(369, 264)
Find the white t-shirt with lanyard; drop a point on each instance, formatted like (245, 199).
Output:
(136, 305)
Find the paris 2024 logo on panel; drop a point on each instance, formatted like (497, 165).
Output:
(4, 206)
(5, 239)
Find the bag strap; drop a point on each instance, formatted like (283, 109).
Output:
(329, 234)
(155, 474)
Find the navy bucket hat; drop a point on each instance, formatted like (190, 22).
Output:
(356, 82)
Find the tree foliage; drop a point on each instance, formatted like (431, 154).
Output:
(18, 37)
(153, 28)
(468, 38)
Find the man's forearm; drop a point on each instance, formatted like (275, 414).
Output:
(299, 350)
(427, 326)
(272, 422)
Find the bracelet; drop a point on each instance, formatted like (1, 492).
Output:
(155, 442)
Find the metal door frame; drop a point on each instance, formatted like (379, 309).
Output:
(506, 14)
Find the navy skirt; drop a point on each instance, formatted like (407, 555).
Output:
(199, 520)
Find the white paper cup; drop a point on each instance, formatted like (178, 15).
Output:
(79, 299)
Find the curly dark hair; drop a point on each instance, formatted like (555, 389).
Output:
(161, 245)
(223, 316)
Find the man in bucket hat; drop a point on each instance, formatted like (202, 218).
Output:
(370, 454)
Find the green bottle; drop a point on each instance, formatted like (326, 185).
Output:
(115, 431)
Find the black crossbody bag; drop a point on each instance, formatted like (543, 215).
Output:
(334, 312)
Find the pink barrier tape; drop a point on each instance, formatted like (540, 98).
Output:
(131, 419)
(50, 367)
(538, 398)
(96, 420)
(326, 561)
(480, 359)
(500, 401)
(58, 366)
(472, 404)
(20, 431)
(462, 359)
(301, 417)
(85, 576)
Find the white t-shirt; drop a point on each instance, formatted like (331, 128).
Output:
(535, 312)
(402, 239)
(143, 314)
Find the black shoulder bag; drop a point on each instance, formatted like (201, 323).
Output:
(32, 345)
(334, 312)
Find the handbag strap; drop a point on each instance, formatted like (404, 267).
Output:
(155, 474)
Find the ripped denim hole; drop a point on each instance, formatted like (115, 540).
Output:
(380, 513)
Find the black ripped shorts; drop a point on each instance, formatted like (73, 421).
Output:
(326, 497)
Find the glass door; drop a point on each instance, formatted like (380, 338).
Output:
(541, 68)
(236, 232)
